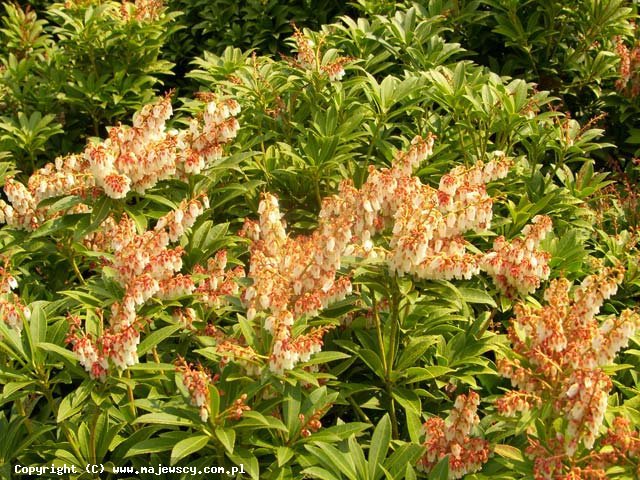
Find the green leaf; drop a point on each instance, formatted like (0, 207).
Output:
(420, 374)
(74, 402)
(187, 447)
(413, 351)
(441, 470)
(379, 447)
(248, 461)
(332, 458)
(58, 350)
(321, 473)
(56, 204)
(336, 433)
(408, 399)
(38, 322)
(407, 454)
(283, 455)
(255, 419)
(214, 401)
(154, 338)
(161, 418)
(475, 295)
(152, 445)
(12, 387)
(101, 210)
(326, 357)
(152, 367)
(373, 361)
(507, 451)
(227, 437)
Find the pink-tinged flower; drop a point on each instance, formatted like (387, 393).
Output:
(197, 380)
(136, 158)
(141, 10)
(585, 406)
(145, 267)
(296, 277)
(288, 351)
(620, 446)
(117, 344)
(452, 437)
(116, 186)
(628, 68)
(175, 287)
(515, 402)
(12, 308)
(13, 311)
(242, 355)
(185, 317)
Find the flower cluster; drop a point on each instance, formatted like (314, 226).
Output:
(313, 423)
(296, 277)
(628, 69)
(619, 447)
(200, 145)
(12, 309)
(197, 380)
(218, 282)
(117, 343)
(67, 177)
(184, 317)
(238, 408)
(517, 267)
(427, 224)
(560, 348)
(451, 437)
(137, 157)
(141, 10)
(145, 267)
(623, 444)
(427, 237)
(243, 355)
(309, 57)
(131, 158)
(292, 277)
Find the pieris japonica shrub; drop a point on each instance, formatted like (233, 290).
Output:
(367, 258)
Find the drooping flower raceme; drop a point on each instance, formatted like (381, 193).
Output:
(517, 267)
(291, 277)
(197, 381)
(67, 177)
(12, 308)
(452, 437)
(427, 237)
(310, 57)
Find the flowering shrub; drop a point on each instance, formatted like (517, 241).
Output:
(365, 258)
